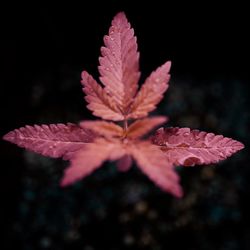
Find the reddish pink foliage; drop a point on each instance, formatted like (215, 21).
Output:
(90, 158)
(119, 63)
(99, 101)
(55, 140)
(91, 143)
(183, 146)
(151, 92)
(153, 163)
(141, 127)
(106, 129)
(125, 163)
(119, 68)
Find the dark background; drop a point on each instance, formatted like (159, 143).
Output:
(45, 48)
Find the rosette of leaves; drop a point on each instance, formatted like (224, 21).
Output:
(120, 133)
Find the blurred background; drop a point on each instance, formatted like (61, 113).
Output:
(43, 51)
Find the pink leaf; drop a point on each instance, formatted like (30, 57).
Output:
(151, 92)
(54, 140)
(88, 159)
(183, 146)
(125, 163)
(154, 164)
(119, 63)
(141, 127)
(107, 129)
(99, 101)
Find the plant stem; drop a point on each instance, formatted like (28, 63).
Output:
(125, 126)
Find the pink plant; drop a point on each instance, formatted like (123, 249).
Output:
(90, 143)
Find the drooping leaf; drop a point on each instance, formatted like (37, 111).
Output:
(54, 140)
(141, 127)
(99, 101)
(183, 146)
(153, 163)
(125, 163)
(119, 63)
(151, 92)
(107, 129)
(85, 161)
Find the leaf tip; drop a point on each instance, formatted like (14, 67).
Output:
(9, 136)
(65, 182)
(237, 146)
(241, 146)
(84, 75)
(178, 192)
(167, 66)
(163, 119)
(120, 15)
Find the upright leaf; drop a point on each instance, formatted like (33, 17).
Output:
(183, 146)
(119, 63)
(54, 140)
(153, 163)
(99, 101)
(151, 92)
